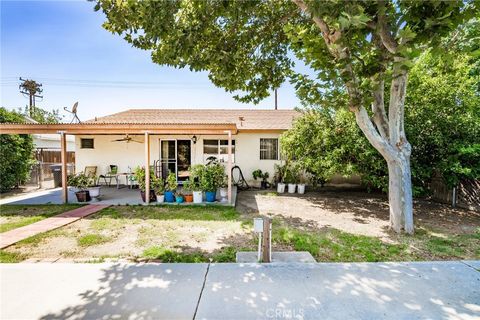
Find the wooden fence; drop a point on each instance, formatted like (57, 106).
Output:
(467, 193)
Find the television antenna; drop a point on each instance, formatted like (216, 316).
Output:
(73, 112)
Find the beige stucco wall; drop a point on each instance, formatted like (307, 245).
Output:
(106, 152)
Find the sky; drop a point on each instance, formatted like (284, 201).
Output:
(62, 45)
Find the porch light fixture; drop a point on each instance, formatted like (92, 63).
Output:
(194, 139)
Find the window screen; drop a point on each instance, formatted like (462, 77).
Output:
(86, 143)
(268, 149)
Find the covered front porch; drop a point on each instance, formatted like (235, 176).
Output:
(146, 134)
(108, 195)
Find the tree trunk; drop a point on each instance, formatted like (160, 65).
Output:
(397, 154)
(400, 194)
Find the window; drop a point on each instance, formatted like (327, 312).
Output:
(86, 143)
(268, 149)
(217, 149)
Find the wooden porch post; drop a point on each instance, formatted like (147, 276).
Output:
(147, 168)
(229, 167)
(63, 152)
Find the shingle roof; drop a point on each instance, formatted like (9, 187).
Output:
(243, 118)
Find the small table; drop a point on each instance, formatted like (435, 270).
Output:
(127, 178)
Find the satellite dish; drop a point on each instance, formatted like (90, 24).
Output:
(74, 112)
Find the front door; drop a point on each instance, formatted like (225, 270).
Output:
(176, 156)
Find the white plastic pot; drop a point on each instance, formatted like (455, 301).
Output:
(223, 194)
(94, 192)
(281, 187)
(301, 188)
(197, 197)
(291, 187)
(160, 198)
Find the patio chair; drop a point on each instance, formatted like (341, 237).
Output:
(112, 174)
(90, 171)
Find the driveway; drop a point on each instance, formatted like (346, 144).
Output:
(422, 290)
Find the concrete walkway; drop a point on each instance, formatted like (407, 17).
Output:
(429, 290)
(13, 236)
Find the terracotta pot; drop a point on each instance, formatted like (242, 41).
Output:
(189, 198)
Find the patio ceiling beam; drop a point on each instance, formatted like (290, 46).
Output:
(97, 128)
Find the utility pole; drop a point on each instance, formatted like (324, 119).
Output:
(31, 88)
(276, 100)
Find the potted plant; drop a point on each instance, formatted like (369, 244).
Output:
(159, 186)
(140, 176)
(187, 190)
(280, 177)
(179, 197)
(211, 180)
(93, 187)
(301, 184)
(258, 174)
(291, 178)
(223, 188)
(171, 187)
(80, 184)
(196, 173)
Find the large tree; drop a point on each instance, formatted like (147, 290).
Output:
(249, 48)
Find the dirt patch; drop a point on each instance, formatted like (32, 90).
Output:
(353, 212)
(129, 237)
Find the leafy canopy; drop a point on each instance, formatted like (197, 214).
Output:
(442, 115)
(250, 47)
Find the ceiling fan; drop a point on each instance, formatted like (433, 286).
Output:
(127, 139)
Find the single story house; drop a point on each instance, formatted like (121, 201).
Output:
(255, 140)
(172, 139)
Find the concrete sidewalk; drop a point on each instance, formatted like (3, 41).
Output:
(428, 290)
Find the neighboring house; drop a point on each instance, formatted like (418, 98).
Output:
(50, 142)
(196, 135)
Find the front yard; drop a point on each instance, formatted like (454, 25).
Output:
(331, 226)
(16, 216)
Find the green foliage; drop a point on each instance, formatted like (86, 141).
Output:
(158, 185)
(41, 115)
(171, 182)
(442, 121)
(247, 46)
(10, 257)
(79, 181)
(140, 177)
(165, 255)
(335, 245)
(210, 177)
(188, 186)
(16, 154)
(258, 174)
(91, 240)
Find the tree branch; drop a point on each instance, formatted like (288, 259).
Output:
(377, 141)
(378, 108)
(396, 109)
(340, 52)
(383, 31)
